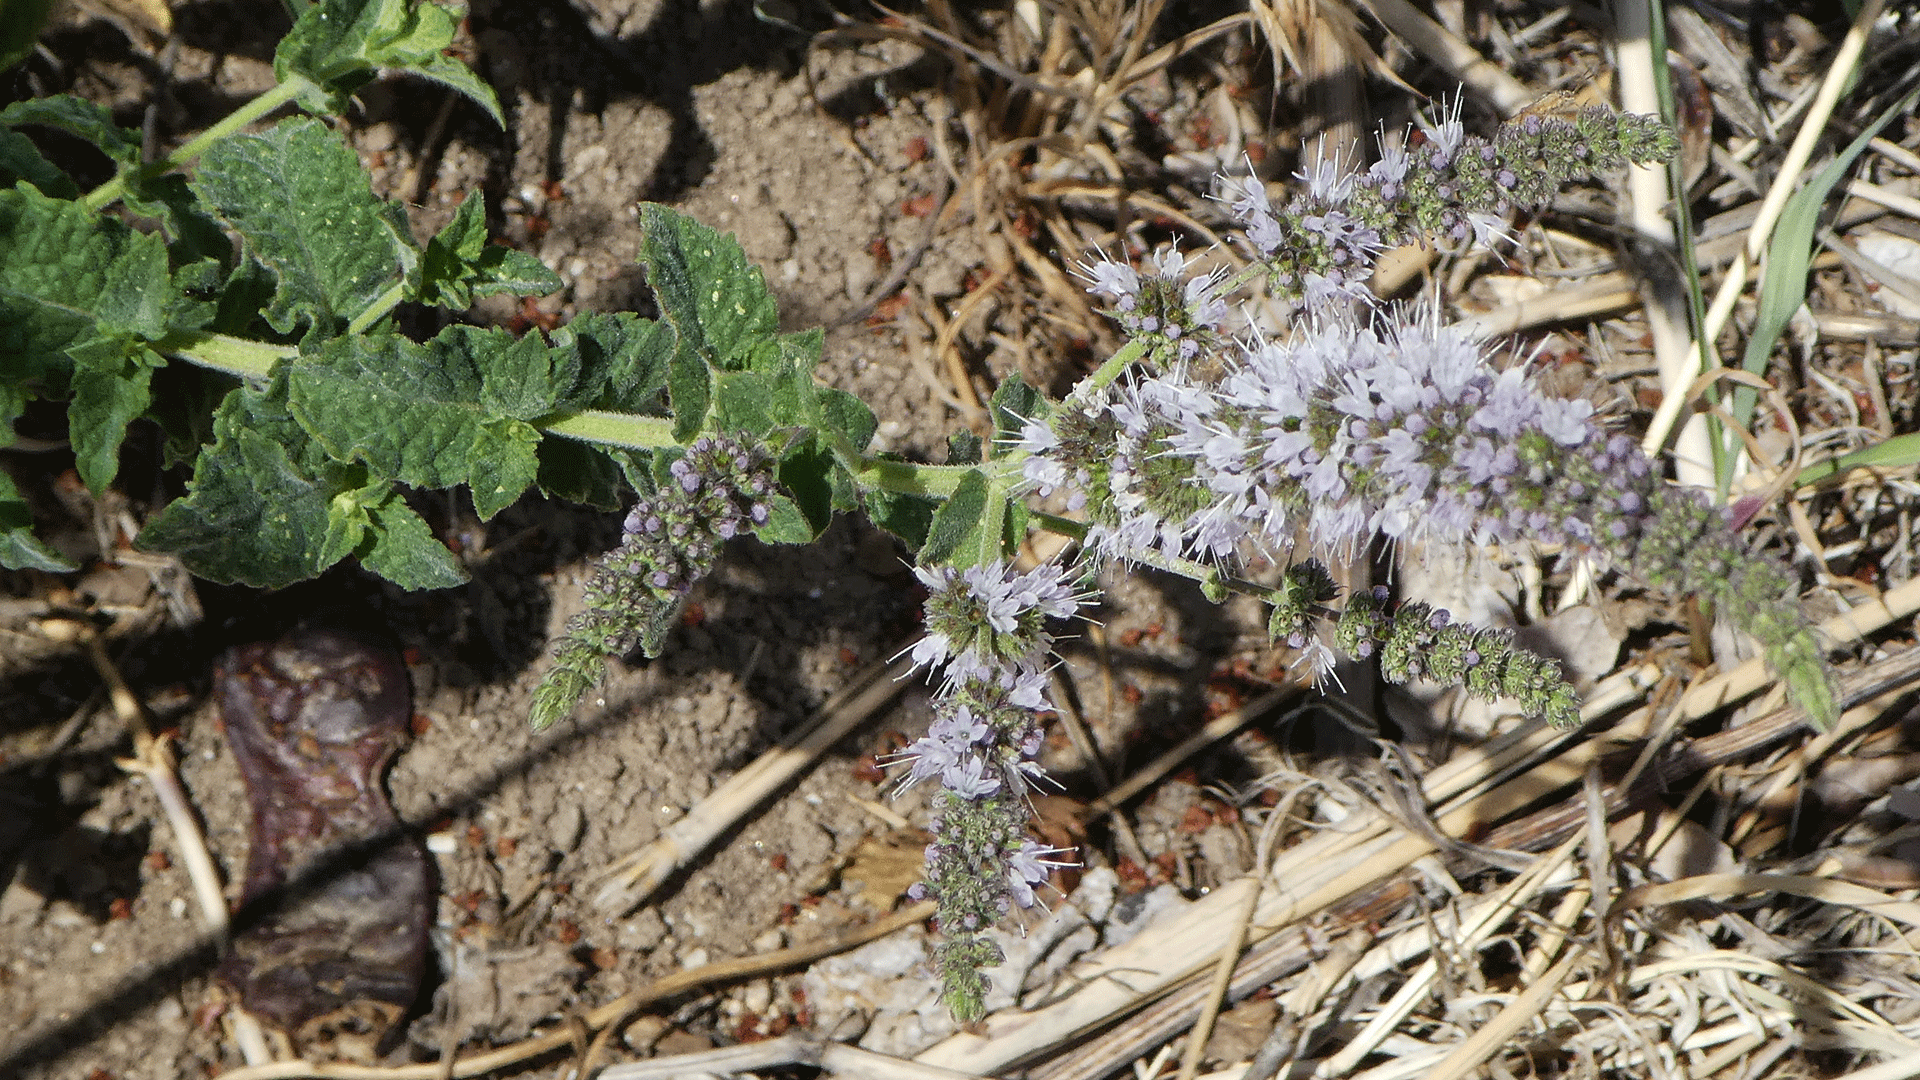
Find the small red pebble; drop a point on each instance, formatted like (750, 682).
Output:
(918, 206)
(888, 309)
(848, 657)
(1154, 630)
(693, 615)
(420, 724)
(1132, 693)
(505, 847)
(563, 888)
(778, 860)
(1195, 820)
(100, 1074)
(119, 908)
(158, 861)
(1131, 639)
(916, 148)
(537, 226)
(477, 836)
(567, 931)
(880, 252)
(470, 900)
(604, 958)
(554, 190)
(788, 913)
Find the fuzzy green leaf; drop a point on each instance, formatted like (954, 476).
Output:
(111, 384)
(848, 415)
(580, 472)
(707, 289)
(256, 511)
(20, 24)
(341, 44)
(52, 282)
(806, 472)
(1013, 404)
(459, 264)
(21, 160)
(958, 524)
(432, 415)
(18, 548)
(690, 388)
(302, 204)
(909, 517)
(196, 235)
(786, 523)
(400, 547)
(79, 118)
(744, 401)
(623, 360)
(964, 448)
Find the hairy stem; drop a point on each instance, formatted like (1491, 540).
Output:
(193, 148)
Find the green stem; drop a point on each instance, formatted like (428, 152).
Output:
(378, 310)
(1110, 370)
(612, 428)
(245, 359)
(259, 107)
(239, 357)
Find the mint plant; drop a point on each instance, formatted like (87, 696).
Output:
(1238, 455)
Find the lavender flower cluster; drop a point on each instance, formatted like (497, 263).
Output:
(719, 489)
(1445, 183)
(1401, 428)
(987, 638)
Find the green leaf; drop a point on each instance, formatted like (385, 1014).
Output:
(964, 448)
(196, 235)
(20, 25)
(255, 513)
(690, 389)
(21, 160)
(110, 389)
(744, 401)
(1013, 404)
(848, 415)
(302, 204)
(958, 524)
(400, 547)
(420, 413)
(459, 264)
(523, 378)
(341, 44)
(786, 523)
(909, 517)
(1896, 452)
(137, 291)
(70, 277)
(623, 360)
(707, 289)
(79, 118)
(580, 472)
(18, 548)
(1783, 288)
(806, 472)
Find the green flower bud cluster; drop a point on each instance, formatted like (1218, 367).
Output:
(1417, 640)
(1444, 183)
(967, 872)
